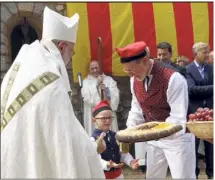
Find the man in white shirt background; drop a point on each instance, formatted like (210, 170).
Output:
(93, 84)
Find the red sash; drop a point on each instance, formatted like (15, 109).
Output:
(113, 174)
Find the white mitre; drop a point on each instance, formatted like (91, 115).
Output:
(56, 26)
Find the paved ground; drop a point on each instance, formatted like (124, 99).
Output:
(129, 174)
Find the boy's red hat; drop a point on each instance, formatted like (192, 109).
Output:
(103, 105)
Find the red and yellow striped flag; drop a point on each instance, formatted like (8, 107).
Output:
(118, 24)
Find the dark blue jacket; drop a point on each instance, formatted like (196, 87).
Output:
(200, 90)
(112, 151)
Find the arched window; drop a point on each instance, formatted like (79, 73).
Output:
(22, 34)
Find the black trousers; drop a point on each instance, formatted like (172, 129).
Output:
(209, 156)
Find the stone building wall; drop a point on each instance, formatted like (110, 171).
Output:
(12, 14)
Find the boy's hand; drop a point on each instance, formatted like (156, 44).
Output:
(101, 145)
(111, 164)
(134, 164)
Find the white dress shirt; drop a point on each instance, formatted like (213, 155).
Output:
(200, 68)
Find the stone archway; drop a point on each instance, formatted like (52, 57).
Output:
(21, 34)
(12, 15)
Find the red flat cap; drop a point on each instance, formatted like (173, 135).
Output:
(132, 51)
(103, 105)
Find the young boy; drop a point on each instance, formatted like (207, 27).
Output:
(112, 160)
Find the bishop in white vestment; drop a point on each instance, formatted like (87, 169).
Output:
(40, 135)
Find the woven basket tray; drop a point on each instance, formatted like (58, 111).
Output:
(147, 132)
(201, 129)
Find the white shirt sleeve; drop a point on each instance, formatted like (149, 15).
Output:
(104, 164)
(135, 116)
(177, 97)
(126, 158)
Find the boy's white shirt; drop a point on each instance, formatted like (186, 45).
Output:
(125, 158)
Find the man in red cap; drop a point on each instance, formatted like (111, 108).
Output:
(159, 93)
(111, 159)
